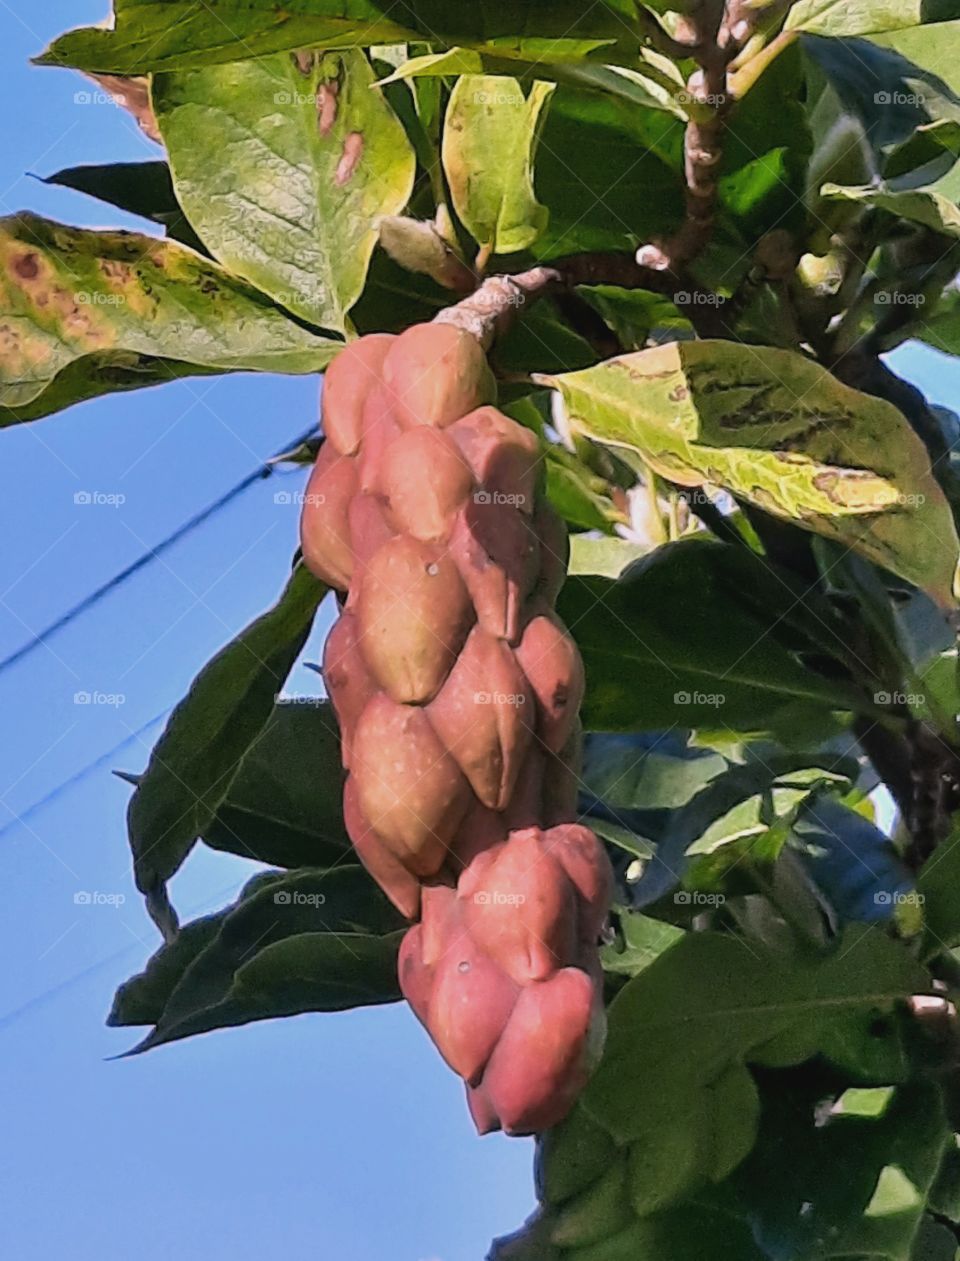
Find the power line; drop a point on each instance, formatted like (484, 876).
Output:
(265, 470)
(81, 774)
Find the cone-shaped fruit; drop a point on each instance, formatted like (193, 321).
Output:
(482, 714)
(496, 551)
(544, 1057)
(347, 383)
(503, 455)
(435, 374)
(519, 907)
(409, 788)
(324, 532)
(398, 884)
(425, 482)
(470, 1004)
(551, 661)
(414, 614)
(348, 680)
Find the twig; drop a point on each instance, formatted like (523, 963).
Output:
(497, 301)
(718, 33)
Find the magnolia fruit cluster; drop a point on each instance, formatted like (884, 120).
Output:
(457, 690)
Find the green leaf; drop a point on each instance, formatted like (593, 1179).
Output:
(283, 166)
(312, 940)
(608, 557)
(153, 35)
(933, 206)
(489, 140)
(887, 1166)
(640, 941)
(840, 17)
(934, 47)
(284, 806)
(710, 1003)
(939, 887)
(80, 310)
(230, 702)
(781, 432)
(139, 188)
(733, 655)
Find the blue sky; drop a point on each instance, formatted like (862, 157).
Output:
(321, 1136)
(324, 1136)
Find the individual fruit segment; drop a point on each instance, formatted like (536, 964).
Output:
(324, 531)
(552, 663)
(349, 682)
(369, 531)
(435, 374)
(355, 372)
(409, 787)
(414, 613)
(503, 455)
(520, 907)
(546, 1053)
(471, 1003)
(583, 858)
(380, 432)
(402, 888)
(496, 552)
(482, 715)
(425, 482)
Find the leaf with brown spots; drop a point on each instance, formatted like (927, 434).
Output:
(84, 313)
(153, 35)
(285, 166)
(781, 432)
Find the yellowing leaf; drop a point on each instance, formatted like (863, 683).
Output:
(284, 166)
(779, 431)
(489, 140)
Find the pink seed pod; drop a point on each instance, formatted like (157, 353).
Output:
(520, 907)
(547, 1051)
(324, 532)
(470, 1005)
(413, 613)
(504, 456)
(409, 787)
(355, 372)
(482, 714)
(497, 553)
(551, 661)
(424, 507)
(435, 374)
(402, 888)
(349, 682)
